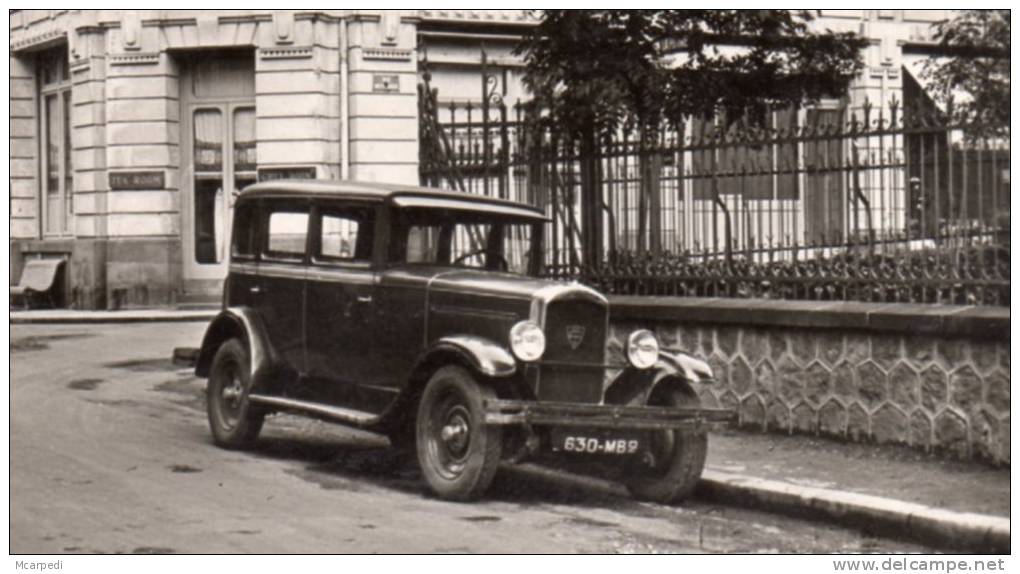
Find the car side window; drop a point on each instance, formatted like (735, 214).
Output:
(345, 234)
(286, 233)
(423, 244)
(338, 236)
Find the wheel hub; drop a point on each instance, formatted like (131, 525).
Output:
(455, 433)
(233, 392)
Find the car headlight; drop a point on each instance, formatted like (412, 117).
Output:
(527, 341)
(642, 349)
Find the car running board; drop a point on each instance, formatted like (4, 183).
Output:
(338, 414)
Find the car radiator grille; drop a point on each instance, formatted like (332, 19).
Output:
(575, 333)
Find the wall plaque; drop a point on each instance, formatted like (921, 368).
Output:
(137, 180)
(275, 173)
(385, 83)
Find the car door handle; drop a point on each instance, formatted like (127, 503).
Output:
(364, 298)
(255, 290)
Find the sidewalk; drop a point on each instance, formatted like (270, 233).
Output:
(882, 489)
(885, 489)
(892, 472)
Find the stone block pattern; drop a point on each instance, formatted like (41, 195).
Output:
(948, 396)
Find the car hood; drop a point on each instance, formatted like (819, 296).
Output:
(469, 288)
(467, 281)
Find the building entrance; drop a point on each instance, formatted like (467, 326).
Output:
(218, 159)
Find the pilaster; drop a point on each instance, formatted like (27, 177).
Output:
(383, 97)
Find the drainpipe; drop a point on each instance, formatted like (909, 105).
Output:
(345, 114)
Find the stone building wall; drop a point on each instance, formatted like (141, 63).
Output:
(334, 96)
(943, 390)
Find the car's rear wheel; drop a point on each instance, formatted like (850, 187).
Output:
(677, 456)
(457, 451)
(232, 419)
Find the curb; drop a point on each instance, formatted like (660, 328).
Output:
(86, 317)
(934, 526)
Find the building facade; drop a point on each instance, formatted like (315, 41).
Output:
(130, 130)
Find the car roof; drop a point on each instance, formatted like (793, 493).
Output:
(393, 193)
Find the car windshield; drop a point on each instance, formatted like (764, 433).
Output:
(464, 239)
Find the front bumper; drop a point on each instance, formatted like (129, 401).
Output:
(511, 412)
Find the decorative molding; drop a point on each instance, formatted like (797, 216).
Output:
(504, 16)
(390, 27)
(286, 53)
(131, 30)
(134, 59)
(208, 29)
(392, 54)
(283, 26)
(80, 65)
(41, 38)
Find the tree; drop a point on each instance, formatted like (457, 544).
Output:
(608, 66)
(595, 70)
(974, 60)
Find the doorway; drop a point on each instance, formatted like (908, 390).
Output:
(218, 159)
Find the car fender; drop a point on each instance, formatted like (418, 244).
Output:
(246, 324)
(483, 355)
(633, 386)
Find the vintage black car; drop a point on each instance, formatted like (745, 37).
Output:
(419, 313)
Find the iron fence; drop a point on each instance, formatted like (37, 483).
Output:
(876, 203)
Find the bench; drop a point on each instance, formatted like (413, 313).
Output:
(38, 278)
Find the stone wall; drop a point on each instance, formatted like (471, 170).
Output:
(934, 378)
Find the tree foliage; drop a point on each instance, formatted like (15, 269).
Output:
(974, 59)
(600, 68)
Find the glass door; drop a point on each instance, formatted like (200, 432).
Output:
(222, 157)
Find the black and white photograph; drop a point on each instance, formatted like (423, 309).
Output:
(329, 282)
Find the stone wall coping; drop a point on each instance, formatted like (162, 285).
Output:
(945, 320)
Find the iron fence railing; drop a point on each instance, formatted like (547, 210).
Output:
(876, 203)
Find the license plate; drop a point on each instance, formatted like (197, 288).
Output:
(595, 442)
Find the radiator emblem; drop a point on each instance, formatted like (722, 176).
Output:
(575, 335)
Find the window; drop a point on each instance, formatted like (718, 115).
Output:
(56, 181)
(485, 243)
(469, 244)
(750, 169)
(287, 231)
(338, 237)
(423, 244)
(346, 235)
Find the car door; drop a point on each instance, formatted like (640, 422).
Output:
(241, 286)
(341, 306)
(279, 294)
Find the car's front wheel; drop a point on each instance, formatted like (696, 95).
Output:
(457, 451)
(677, 457)
(232, 419)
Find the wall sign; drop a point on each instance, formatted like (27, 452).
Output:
(137, 180)
(275, 173)
(385, 83)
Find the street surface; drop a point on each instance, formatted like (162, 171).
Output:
(110, 453)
